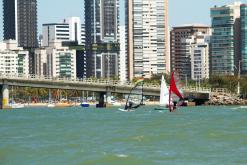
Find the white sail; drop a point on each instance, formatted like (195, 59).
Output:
(164, 93)
(135, 97)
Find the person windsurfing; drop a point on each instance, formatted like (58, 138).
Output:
(131, 102)
(129, 106)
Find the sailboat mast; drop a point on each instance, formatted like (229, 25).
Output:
(142, 101)
(12, 93)
(139, 84)
(49, 95)
(126, 104)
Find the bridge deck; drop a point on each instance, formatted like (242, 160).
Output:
(94, 85)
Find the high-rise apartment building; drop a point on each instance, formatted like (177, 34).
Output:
(20, 22)
(190, 50)
(70, 29)
(148, 36)
(199, 55)
(123, 40)
(13, 59)
(83, 37)
(71, 33)
(55, 61)
(123, 59)
(81, 61)
(225, 43)
(243, 19)
(101, 28)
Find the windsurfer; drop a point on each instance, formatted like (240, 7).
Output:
(174, 106)
(135, 97)
(129, 106)
(174, 89)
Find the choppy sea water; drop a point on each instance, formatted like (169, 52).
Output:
(77, 136)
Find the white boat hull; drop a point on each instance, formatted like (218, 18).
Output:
(17, 106)
(85, 105)
(116, 104)
(51, 105)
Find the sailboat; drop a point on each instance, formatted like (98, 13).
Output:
(13, 104)
(164, 96)
(173, 90)
(85, 103)
(135, 98)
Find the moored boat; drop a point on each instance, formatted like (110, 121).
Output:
(51, 105)
(85, 105)
(16, 106)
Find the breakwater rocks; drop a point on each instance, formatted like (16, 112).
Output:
(225, 99)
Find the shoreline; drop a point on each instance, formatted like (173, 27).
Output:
(226, 99)
(215, 100)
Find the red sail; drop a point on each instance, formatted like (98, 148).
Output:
(173, 89)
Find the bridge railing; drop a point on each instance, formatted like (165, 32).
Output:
(197, 89)
(221, 90)
(71, 80)
(102, 82)
(207, 90)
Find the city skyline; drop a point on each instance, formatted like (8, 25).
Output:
(46, 15)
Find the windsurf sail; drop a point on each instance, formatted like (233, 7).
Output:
(135, 98)
(173, 89)
(164, 93)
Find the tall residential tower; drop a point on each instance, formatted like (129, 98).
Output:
(189, 45)
(148, 38)
(101, 28)
(70, 29)
(20, 22)
(225, 43)
(243, 18)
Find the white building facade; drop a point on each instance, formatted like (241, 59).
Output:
(13, 60)
(148, 38)
(55, 61)
(40, 62)
(70, 29)
(200, 61)
(197, 50)
(123, 56)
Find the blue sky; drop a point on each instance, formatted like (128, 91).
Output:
(180, 11)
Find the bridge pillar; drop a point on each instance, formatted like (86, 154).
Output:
(108, 97)
(4, 96)
(101, 101)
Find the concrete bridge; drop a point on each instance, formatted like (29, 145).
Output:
(196, 95)
(103, 87)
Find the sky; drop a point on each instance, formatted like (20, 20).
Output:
(180, 11)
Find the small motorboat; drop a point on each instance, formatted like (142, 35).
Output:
(85, 105)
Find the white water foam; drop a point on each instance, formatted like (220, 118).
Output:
(122, 156)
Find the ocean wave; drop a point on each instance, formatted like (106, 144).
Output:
(121, 156)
